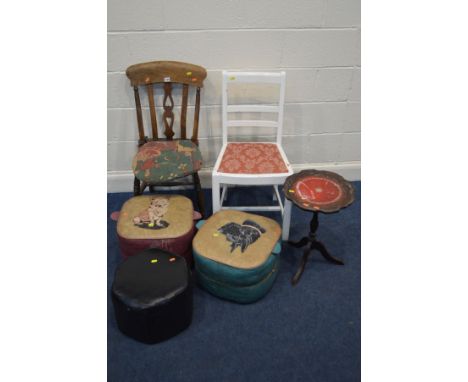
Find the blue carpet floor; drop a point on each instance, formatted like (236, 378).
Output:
(310, 332)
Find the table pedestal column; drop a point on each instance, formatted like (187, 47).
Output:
(312, 243)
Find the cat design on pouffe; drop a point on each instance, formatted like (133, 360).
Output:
(242, 235)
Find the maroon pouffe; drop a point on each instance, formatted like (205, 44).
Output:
(157, 221)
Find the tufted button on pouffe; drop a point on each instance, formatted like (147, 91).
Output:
(236, 255)
(152, 296)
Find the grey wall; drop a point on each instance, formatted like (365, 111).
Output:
(317, 43)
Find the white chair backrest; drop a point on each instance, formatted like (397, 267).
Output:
(253, 78)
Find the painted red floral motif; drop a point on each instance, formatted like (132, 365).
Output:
(252, 158)
(318, 190)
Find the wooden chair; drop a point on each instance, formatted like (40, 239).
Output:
(161, 160)
(252, 163)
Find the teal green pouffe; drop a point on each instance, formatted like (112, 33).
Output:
(237, 255)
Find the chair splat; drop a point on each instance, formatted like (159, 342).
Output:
(168, 115)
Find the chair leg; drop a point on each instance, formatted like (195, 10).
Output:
(200, 196)
(224, 194)
(215, 195)
(286, 219)
(136, 187)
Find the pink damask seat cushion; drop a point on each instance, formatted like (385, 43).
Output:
(252, 158)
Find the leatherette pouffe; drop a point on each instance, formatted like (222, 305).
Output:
(152, 296)
(156, 221)
(236, 255)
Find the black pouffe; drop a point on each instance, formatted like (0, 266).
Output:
(152, 296)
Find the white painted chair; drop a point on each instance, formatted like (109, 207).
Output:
(252, 163)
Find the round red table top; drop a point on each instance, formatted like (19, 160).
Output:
(317, 190)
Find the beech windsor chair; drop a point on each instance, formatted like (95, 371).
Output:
(161, 160)
(252, 163)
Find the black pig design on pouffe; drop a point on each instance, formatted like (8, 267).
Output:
(237, 255)
(242, 235)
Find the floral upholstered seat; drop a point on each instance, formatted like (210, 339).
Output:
(160, 161)
(252, 158)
